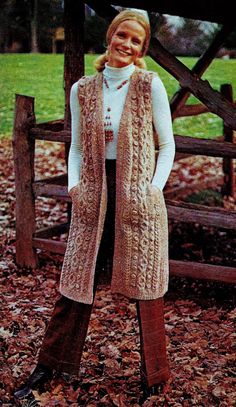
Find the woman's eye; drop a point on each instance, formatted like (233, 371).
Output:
(136, 41)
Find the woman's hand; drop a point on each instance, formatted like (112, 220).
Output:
(156, 187)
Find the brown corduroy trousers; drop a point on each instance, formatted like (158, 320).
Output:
(66, 332)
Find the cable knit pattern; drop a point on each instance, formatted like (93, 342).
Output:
(140, 263)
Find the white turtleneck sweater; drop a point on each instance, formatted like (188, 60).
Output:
(115, 99)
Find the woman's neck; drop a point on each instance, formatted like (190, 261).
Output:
(118, 73)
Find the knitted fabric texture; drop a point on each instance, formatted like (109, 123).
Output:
(140, 263)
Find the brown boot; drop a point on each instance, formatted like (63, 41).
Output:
(147, 392)
(38, 377)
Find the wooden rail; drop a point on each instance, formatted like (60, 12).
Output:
(203, 271)
(184, 144)
(181, 96)
(204, 215)
(63, 136)
(50, 245)
(177, 267)
(211, 148)
(186, 212)
(55, 187)
(52, 231)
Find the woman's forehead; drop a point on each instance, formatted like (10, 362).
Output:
(131, 25)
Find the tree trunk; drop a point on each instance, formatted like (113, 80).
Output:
(34, 27)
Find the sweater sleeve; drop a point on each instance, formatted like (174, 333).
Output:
(163, 125)
(75, 153)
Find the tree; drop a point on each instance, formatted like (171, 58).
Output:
(27, 25)
(164, 31)
(95, 34)
(15, 25)
(188, 37)
(34, 26)
(3, 25)
(50, 16)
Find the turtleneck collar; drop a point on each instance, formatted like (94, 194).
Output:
(118, 73)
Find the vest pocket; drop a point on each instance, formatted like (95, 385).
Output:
(154, 195)
(137, 211)
(156, 204)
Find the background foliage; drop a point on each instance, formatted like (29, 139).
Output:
(17, 18)
(28, 26)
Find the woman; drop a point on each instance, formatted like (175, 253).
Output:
(118, 213)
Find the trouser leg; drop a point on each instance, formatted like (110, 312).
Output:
(66, 332)
(65, 336)
(154, 363)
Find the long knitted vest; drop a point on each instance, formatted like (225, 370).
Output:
(140, 263)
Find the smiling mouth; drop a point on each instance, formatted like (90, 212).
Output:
(124, 52)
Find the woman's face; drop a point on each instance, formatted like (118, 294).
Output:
(126, 44)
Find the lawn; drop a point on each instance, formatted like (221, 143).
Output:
(41, 76)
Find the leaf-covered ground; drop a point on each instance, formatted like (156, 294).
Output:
(199, 316)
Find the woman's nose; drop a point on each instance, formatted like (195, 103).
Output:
(127, 42)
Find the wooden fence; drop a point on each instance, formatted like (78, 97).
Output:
(28, 239)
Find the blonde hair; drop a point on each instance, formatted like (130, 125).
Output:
(125, 15)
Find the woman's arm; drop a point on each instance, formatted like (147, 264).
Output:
(163, 125)
(75, 153)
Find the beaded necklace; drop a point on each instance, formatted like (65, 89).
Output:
(109, 133)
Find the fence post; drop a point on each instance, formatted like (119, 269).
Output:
(74, 16)
(228, 187)
(23, 152)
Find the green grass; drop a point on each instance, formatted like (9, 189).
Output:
(41, 76)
